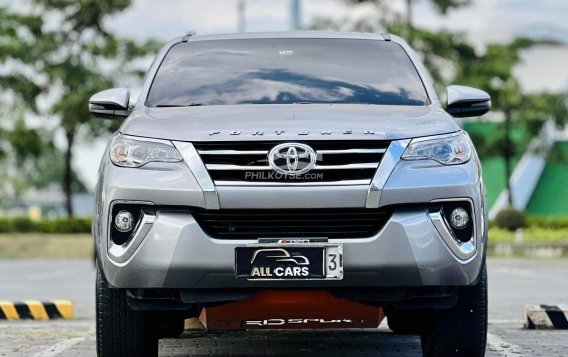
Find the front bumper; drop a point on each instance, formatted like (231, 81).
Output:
(175, 253)
(408, 251)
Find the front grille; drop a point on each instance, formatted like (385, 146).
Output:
(338, 162)
(296, 223)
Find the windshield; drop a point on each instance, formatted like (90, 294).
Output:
(286, 71)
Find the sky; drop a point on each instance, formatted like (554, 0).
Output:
(485, 20)
(543, 68)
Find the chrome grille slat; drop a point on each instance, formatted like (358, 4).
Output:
(341, 162)
(233, 152)
(265, 152)
(371, 165)
(235, 167)
(353, 151)
(330, 183)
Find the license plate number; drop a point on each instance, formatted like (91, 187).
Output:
(289, 262)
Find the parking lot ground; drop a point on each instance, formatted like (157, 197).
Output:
(77, 339)
(47, 338)
(513, 284)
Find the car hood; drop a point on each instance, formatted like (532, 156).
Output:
(289, 122)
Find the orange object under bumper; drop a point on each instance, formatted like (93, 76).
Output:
(289, 309)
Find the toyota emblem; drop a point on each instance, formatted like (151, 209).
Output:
(292, 158)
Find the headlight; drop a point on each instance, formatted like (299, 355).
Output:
(128, 152)
(450, 150)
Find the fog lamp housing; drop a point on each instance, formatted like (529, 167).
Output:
(459, 218)
(124, 221)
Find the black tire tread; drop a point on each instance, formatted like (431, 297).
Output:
(120, 330)
(462, 330)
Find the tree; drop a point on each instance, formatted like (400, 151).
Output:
(442, 6)
(439, 50)
(492, 71)
(33, 161)
(77, 58)
(19, 90)
(537, 108)
(18, 34)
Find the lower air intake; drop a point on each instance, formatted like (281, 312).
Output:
(297, 223)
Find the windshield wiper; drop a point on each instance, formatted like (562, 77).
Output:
(180, 105)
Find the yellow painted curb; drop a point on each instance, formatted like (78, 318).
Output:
(36, 310)
(8, 311)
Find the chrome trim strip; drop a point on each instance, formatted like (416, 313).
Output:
(352, 151)
(386, 167)
(462, 250)
(260, 184)
(221, 167)
(265, 152)
(121, 253)
(366, 165)
(232, 152)
(198, 170)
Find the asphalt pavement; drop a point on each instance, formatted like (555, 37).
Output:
(513, 283)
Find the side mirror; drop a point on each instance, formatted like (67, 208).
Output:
(467, 102)
(110, 103)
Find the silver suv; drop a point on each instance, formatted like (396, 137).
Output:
(290, 180)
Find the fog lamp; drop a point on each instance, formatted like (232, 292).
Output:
(124, 221)
(459, 218)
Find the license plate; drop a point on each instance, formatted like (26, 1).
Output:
(289, 262)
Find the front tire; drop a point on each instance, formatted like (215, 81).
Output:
(122, 332)
(461, 330)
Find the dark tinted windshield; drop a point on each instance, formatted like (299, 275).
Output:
(282, 71)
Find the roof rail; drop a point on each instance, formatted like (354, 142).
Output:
(386, 37)
(187, 36)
